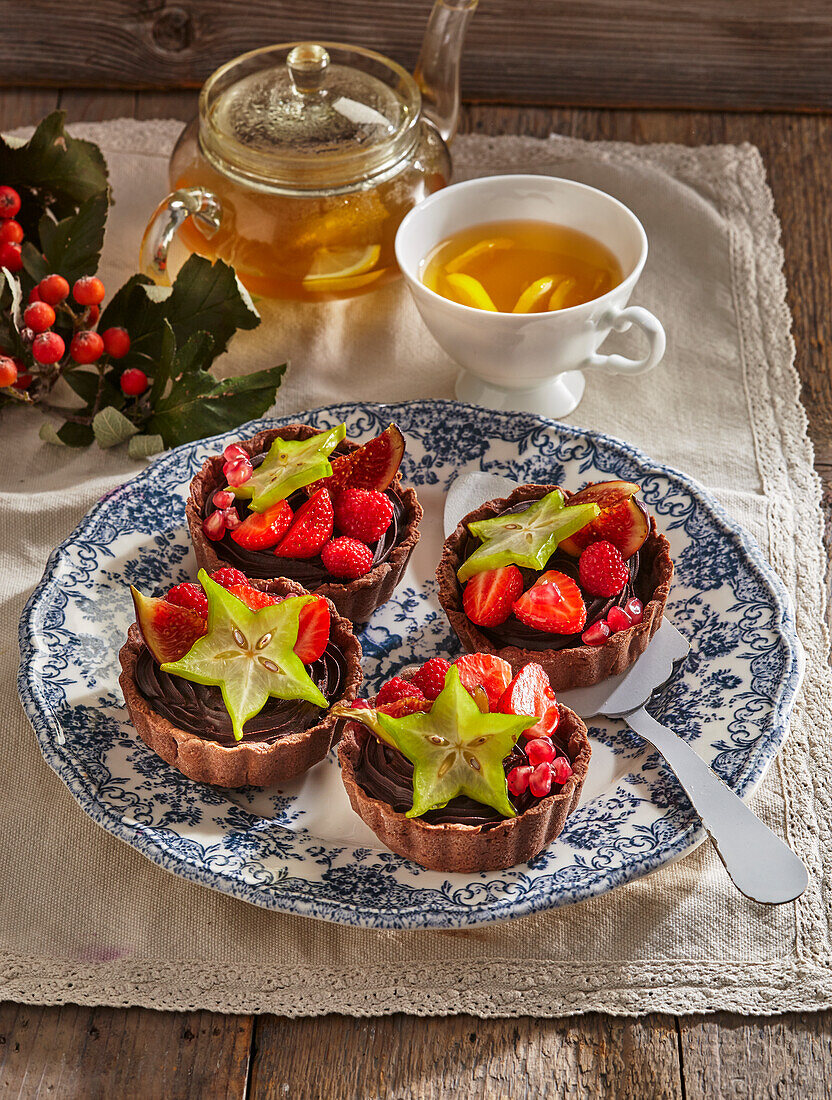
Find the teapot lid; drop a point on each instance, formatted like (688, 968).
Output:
(308, 116)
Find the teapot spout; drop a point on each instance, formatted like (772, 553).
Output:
(437, 70)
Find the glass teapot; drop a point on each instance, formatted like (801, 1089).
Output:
(304, 159)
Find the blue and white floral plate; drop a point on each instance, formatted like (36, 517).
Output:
(300, 849)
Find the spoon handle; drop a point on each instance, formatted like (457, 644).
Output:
(761, 866)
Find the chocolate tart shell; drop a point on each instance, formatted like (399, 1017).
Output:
(356, 600)
(581, 665)
(248, 763)
(467, 848)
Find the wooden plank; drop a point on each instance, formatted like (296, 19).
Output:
(758, 1059)
(19, 107)
(760, 54)
(337, 1057)
(93, 1053)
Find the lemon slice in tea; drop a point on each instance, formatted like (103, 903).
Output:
(469, 291)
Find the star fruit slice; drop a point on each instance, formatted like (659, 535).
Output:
(290, 464)
(248, 654)
(527, 538)
(454, 748)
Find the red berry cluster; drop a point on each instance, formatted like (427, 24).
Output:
(11, 231)
(617, 619)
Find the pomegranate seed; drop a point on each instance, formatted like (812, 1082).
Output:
(86, 347)
(11, 232)
(9, 202)
(53, 289)
(133, 382)
(39, 316)
(116, 342)
(88, 291)
(561, 769)
(540, 781)
(231, 518)
(518, 779)
(618, 620)
(214, 526)
(223, 500)
(11, 257)
(540, 751)
(233, 452)
(634, 610)
(48, 347)
(237, 473)
(596, 634)
(8, 372)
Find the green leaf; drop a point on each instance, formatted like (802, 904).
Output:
(163, 367)
(69, 435)
(198, 405)
(73, 246)
(54, 161)
(143, 446)
(48, 434)
(112, 427)
(86, 384)
(207, 297)
(34, 263)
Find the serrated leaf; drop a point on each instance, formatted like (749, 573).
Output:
(206, 297)
(197, 354)
(198, 405)
(73, 246)
(112, 427)
(143, 446)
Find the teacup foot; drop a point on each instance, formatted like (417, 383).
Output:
(554, 399)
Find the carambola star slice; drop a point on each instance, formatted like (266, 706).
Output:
(289, 465)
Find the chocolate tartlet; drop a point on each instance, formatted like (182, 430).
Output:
(567, 661)
(463, 836)
(186, 723)
(356, 599)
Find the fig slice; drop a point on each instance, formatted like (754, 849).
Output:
(621, 522)
(168, 630)
(371, 466)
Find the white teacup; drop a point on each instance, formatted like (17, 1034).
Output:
(531, 362)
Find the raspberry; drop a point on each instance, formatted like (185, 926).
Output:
(86, 347)
(48, 347)
(189, 595)
(601, 569)
(8, 372)
(11, 257)
(88, 291)
(11, 232)
(561, 769)
(617, 620)
(9, 202)
(53, 289)
(133, 382)
(363, 513)
(540, 751)
(397, 688)
(430, 679)
(228, 575)
(116, 342)
(346, 557)
(518, 779)
(39, 316)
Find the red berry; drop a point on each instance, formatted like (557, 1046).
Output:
(430, 679)
(233, 451)
(189, 595)
(540, 750)
(86, 347)
(634, 610)
(346, 557)
(39, 316)
(531, 693)
(116, 342)
(11, 257)
(222, 500)
(88, 291)
(8, 371)
(214, 526)
(238, 472)
(617, 620)
(34, 295)
(24, 381)
(228, 575)
(487, 671)
(540, 781)
(553, 604)
(133, 382)
(53, 289)
(397, 688)
(561, 769)
(9, 202)
(313, 630)
(363, 514)
(489, 597)
(11, 232)
(48, 347)
(596, 634)
(311, 528)
(518, 779)
(601, 569)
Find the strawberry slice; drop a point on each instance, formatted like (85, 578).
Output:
(491, 673)
(311, 528)
(313, 623)
(263, 530)
(253, 598)
(553, 604)
(488, 597)
(531, 693)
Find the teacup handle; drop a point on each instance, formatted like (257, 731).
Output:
(196, 202)
(620, 321)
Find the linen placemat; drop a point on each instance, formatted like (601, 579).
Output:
(86, 919)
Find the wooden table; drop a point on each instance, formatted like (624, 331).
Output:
(81, 1052)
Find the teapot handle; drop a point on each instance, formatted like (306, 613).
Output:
(168, 216)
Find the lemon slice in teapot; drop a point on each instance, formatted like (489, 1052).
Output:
(333, 266)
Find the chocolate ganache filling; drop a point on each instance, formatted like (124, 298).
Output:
(199, 708)
(310, 572)
(514, 633)
(384, 773)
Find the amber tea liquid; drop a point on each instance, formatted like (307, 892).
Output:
(520, 266)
